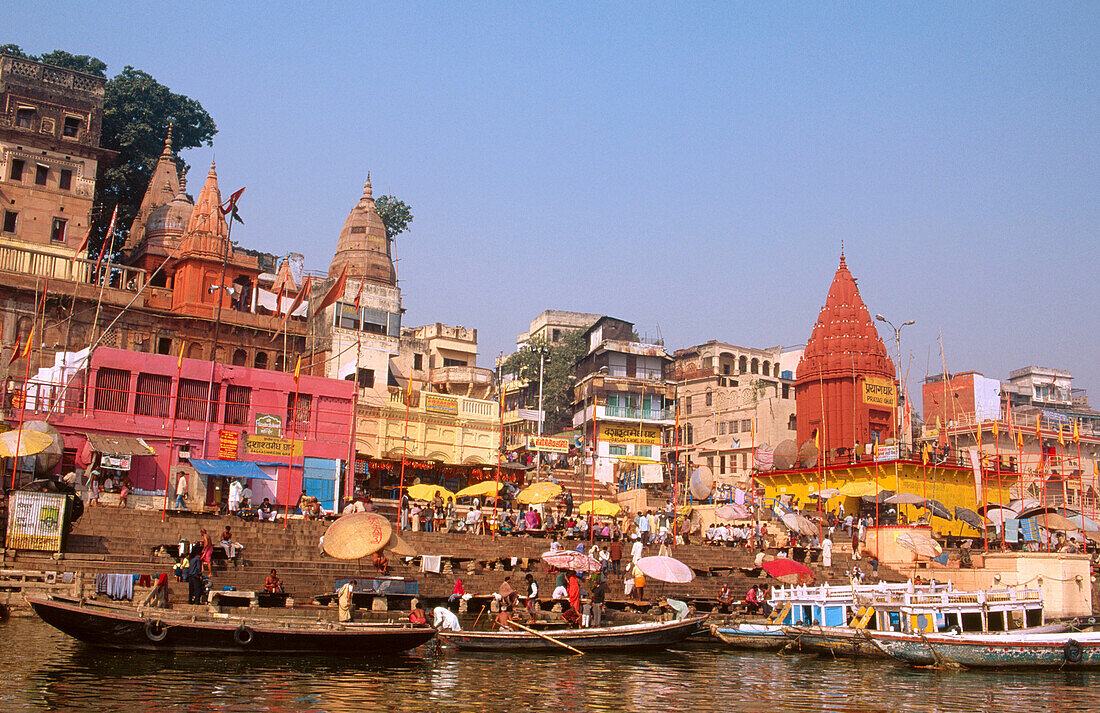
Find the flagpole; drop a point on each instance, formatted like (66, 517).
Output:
(404, 452)
(172, 435)
(500, 452)
(293, 434)
(26, 386)
(1080, 485)
(211, 402)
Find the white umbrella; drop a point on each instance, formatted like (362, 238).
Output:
(666, 569)
(825, 493)
(905, 499)
(798, 523)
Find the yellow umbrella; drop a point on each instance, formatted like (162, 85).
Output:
(422, 491)
(30, 443)
(485, 487)
(599, 507)
(685, 510)
(859, 488)
(538, 493)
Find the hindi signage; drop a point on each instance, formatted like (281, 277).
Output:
(546, 444)
(268, 424)
(229, 443)
(638, 435)
(441, 404)
(879, 392)
(886, 453)
(36, 521)
(278, 447)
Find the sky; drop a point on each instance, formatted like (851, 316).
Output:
(691, 167)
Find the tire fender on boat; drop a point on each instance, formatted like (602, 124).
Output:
(1072, 650)
(155, 630)
(243, 635)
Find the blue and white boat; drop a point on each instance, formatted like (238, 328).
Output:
(1061, 650)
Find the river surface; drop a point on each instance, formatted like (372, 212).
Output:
(44, 670)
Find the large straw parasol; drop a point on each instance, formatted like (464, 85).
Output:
(539, 493)
(905, 499)
(666, 569)
(485, 487)
(571, 559)
(422, 491)
(798, 523)
(599, 507)
(355, 536)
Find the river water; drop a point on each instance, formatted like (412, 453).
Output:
(45, 670)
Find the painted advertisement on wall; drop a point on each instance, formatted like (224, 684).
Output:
(36, 521)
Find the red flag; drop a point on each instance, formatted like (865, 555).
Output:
(358, 295)
(15, 352)
(335, 292)
(230, 206)
(108, 242)
(294, 305)
(279, 299)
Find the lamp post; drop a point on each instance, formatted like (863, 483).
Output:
(897, 342)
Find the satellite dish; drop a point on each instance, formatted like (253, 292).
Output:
(807, 455)
(701, 482)
(786, 455)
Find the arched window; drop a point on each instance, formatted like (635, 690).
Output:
(194, 351)
(767, 368)
(278, 362)
(240, 358)
(260, 362)
(743, 365)
(756, 366)
(689, 436)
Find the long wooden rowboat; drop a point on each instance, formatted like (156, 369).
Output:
(831, 641)
(629, 637)
(120, 627)
(1064, 650)
(751, 636)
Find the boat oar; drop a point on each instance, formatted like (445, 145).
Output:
(551, 639)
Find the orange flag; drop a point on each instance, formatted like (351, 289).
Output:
(302, 294)
(335, 292)
(1061, 435)
(298, 369)
(179, 362)
(1076, 432)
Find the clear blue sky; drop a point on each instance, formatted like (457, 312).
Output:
(692, 167)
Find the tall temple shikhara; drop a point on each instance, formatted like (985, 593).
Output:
(845, 390)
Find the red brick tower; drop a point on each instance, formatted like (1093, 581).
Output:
(844, 388)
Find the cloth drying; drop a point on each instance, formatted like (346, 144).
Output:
(431, 563)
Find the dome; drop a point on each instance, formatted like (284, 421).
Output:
(170, 219)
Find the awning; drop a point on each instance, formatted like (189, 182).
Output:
(119, 445)
(230, 469)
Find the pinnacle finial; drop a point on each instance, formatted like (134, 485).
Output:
(168, 142)
(368, 192)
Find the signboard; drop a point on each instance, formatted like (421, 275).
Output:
(546, 444)
(886, 453)
(115, 462)
(441, 404)
(879, 392)
(638, 435)
(229, 443)
(529, 414)
(976, 464)
(36, 521)
(268, 446)
(268, 424)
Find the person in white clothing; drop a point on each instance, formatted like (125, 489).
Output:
(444, 618)
(181, 491)
(636, 550)
(827, 552)
(235, 489)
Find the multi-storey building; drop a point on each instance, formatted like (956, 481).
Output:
(731, 399)
(622, 403)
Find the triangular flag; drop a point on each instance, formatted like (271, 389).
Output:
(302, 294)
(1038, 426)
(230, 206)
(1076, 432)
(996, 431)
(335, 292)
(298, 369)
(1020, 440)
(924, 455)
(27, 347)
(1061, 435)
(358, 295)
(108, 242)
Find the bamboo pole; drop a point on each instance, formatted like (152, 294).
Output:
(551, 639)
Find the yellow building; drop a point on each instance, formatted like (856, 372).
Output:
(951, 485)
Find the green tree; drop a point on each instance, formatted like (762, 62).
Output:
(557, 379)
(395, 213)
(137, 111)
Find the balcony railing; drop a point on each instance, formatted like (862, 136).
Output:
(461, 375)
(644, 414)
(42, 263)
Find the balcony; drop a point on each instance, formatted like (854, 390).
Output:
(461, 375)
(633, 413)
(34, 262)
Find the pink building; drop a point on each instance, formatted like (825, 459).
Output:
(299, 434)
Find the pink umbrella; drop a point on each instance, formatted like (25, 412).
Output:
(666, 569)
(571, 559)
(733, 511)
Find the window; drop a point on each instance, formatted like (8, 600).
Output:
(152, 395)
(643, 451)
(57, 234)
(366, 378)
(733, 426)
(792, 423)
(453, 362)
(17, 166)
(71, 126)
(726, 369)
(746, 425)
(24, 116)
(40, 174)
(742, 365)
(347, 317)
(65, 179)
(616, 450)
(260, 360)
(710, 398)
(755, 366)
(192, 401)
(9, 221)
(689, 435)
(721, 428)
(786, 391)
(164, 345)
(687, 405)
(237, 401)
(418, 362)
(297, 407)
(112, 387)
(722, 464)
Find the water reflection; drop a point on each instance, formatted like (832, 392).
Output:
(45, 670)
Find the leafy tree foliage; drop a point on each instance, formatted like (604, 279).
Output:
(395, 213)
(558, 376)
(137, 111)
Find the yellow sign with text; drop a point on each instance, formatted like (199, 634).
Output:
(638, 435)
(271, 446)
(879, 392)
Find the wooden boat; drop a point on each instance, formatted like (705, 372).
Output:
(123, 627)
(751, 636)
(1063, 650)
(627, 638)
(842, 641)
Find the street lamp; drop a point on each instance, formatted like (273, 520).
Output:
(897, 342)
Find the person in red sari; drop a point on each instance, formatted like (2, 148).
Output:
(573, 591)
